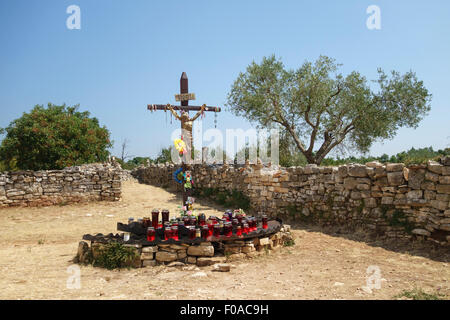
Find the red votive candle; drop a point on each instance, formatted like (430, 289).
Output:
(202, 219)
(160, 231)
(254, 225)
(205, 232)
(175, 233)
(228, 229)
(150, 234)
(216, 230)
(165, 215)
(245, 229)
(239, 231)
(155, 218)
(167, 233)
(264, 222)
(191, 232)
(226, 217)
(210, 227)
(147, 222)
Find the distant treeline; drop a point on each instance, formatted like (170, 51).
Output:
(412, 156)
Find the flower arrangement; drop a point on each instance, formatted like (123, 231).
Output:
(180, 146)
(188, 180)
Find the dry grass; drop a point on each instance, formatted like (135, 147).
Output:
(39, 243)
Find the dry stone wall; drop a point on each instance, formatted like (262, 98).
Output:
(389, 200)
(74, 184)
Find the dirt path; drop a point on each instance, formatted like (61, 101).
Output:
(39, 243)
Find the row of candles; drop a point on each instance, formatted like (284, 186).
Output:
(199, 227)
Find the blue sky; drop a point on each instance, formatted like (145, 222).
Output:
(131, 53)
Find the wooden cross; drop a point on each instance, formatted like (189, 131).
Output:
(186, 121)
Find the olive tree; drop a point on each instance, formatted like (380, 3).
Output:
(322, 109)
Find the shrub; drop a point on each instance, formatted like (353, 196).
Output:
(53, 138)
(114, 255)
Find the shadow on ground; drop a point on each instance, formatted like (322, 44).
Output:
(426, 249)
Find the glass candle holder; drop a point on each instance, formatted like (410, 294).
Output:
(150, 234)
(240, 218)
(140, 221)
(155, 218)
(228, 229)
(213, 219)
(205, 232)
(239, 231)
(235, 222)
(147, 222)
(192, 221)
(252, 224)
(130, 220)
(226, 217)
(265, 222)
(210, 227)
(198, 232)
(216, 230)
(165, 215)
(126, 236)
(167, 233)
(175, 233)
(160, 232)
(245, 228)
(202, 219)
(192, 232)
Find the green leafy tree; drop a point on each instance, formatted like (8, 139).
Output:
(164, 155)
(53, 138)
(322, 109)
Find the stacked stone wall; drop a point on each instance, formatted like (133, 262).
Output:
(93, 182)
(391, 200)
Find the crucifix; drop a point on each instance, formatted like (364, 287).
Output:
(185, 120)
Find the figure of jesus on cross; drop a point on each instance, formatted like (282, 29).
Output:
(185, 120)
(186, 128)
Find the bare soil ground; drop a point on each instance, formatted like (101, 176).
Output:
(38, 245)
